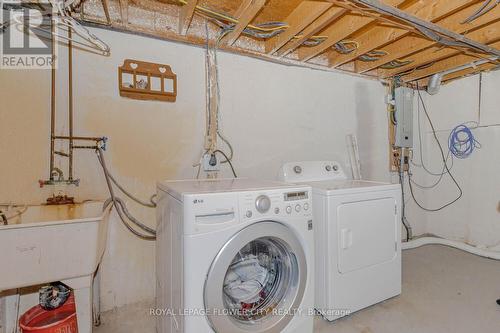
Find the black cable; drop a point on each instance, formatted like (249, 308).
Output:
(228, 161)
(404, 221)
(444, 163)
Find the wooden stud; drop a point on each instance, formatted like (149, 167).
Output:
(244, 19)
(429, 12)
(344, 27)
(105, 7)
(444, 65)
(186, 15)
(488, 34)
(123, 11)
(325, 19)
(305, 13)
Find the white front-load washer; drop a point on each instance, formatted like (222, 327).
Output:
(234, 256)
(357, 227)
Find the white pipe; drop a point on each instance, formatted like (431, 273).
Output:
(413, 244)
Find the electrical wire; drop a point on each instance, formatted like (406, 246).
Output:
(344, 48)
(224, 17)
(228, 160)
(441, 150)
(404, 220)
(373, 55)
(396, 64)
(422, 163)
(487, 6)
(120, 206)
(212, 78)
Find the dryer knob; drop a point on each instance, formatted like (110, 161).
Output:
(262, 203)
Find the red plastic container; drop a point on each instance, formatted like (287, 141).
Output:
(60, 320)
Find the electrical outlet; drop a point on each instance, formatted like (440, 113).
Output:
(210, 163)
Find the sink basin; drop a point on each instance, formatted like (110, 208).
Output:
(52, 243)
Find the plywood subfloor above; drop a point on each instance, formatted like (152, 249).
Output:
(345, 35)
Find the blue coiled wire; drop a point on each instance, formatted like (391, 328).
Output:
(462, 142)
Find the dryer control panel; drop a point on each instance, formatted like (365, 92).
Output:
(310, 171)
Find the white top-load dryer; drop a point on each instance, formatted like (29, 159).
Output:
(357, 232)
(234, 256)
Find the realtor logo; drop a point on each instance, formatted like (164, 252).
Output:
(26, 35)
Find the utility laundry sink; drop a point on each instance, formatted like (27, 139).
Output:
(55, 243)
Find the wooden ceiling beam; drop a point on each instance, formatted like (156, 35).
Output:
(443, 65)
(487, 35)
(186, 16)
(325, 19)
(245, 14)
(437, 13)
(342, 28)
(305, 13)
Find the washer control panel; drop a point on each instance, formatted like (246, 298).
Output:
(276, 203)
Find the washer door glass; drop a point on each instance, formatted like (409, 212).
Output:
(257, 281)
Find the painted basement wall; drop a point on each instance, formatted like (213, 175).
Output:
(475, 218)
(271, 113)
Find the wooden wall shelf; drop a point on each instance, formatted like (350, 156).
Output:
(147, 81)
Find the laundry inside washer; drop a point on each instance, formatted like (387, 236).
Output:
(258, 278)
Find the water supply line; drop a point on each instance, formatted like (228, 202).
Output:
(423, 241)
(125, 216)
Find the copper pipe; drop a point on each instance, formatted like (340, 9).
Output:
(70, 104)
(65, 137)
(52, 102)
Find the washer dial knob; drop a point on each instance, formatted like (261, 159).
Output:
(262, 203)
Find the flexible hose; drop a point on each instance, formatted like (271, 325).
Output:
(117, 205)
(150, 204)
(418, 242)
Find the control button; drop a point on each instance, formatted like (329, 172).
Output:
(276, 210)
(328, 168)
(306, 206)
(262, 203)
(297, 169)
(248, 214)
(289, 209)
(297, 208)
(335, 167)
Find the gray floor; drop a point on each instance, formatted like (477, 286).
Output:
(444, 290)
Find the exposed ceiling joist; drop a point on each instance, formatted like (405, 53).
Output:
(412, 44)
(301, 17)
(487, 35)
(343, 28)
(320, 23)
(186, 15)
(245, 14)
(380, 36)
(440, 10)
(444, 65)
(324, 20)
